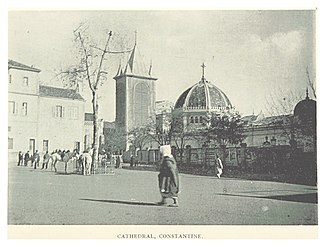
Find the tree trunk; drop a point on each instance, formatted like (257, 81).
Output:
(95, 130)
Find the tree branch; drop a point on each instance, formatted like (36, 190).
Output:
(86, 63)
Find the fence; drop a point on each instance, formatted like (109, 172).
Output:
(274, 161)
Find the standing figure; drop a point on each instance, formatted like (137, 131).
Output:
(20, 158)
(131, 160)
(36, 159)
(168, 177)
(218, 166)
(118, 161)
(46, 158)
(26, 158)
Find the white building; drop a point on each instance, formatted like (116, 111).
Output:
(41, 117)
(89, 131)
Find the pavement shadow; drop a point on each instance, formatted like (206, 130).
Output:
(304, 198)
(65, 173)
(122, 202)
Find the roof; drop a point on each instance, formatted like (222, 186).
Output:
(16, 65)
(60, 93)
(203, 95)
(306, 109)
(267, 121)
(135, 66)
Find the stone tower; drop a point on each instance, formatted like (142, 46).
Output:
(135, 94)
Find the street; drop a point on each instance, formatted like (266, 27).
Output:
(129, 197)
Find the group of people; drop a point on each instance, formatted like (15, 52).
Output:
(35, 158)
(25, 159)
(168, 177)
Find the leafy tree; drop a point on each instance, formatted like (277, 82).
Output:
(115, 139)
(225, 129)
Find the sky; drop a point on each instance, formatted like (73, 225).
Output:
(249, 54)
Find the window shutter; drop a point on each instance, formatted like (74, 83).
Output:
(16, 107)
(63, 112)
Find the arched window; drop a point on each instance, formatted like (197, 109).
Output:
(142, 102)
(201, 119)
(196, 119)
(191, 119)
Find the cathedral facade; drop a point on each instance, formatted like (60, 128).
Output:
(135, 94)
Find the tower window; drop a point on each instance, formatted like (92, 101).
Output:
(141, 104)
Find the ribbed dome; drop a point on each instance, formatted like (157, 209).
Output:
(203, 95)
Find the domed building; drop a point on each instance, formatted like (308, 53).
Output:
(305, 110)
(197, 103)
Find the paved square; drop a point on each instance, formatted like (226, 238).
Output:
(129, 197)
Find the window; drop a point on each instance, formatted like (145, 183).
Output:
(10, 143)
(9, 79)
(73, 112)
(12, 109)
(77, 146)
(45, 145)
(24, 109)
(25, 81)
(59, 111)
(200, 119)
(142, 101)
(191, 119)
(196, 119)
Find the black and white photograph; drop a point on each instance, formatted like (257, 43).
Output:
(162, 118)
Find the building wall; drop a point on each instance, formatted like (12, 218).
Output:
(88, 134)
(16, 81)
(22, 111)
(121, 101)
(256, 136)
(62, 131)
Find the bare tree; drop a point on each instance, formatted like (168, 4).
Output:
(139, 137)
(311, 84)
(280, 102)
(92, 69)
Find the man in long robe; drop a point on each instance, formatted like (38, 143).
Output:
(168, 177)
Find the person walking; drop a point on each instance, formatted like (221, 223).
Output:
(218, 166)
(46, 158)
(26, 158)
(168, 177)
(20, 158)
